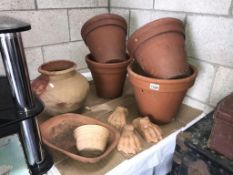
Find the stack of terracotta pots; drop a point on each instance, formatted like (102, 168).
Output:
(105, 36)
(160, 76)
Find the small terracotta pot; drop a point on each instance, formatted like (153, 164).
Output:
(109, 78)
(91, 140)
(159, 48)
(157, 98)
(60, 87)
(105, 35)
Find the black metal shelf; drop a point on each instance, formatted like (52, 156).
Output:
(11, 25)
(9, 117)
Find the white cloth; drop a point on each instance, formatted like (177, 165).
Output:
(157, 160)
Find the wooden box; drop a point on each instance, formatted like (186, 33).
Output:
(194, 157)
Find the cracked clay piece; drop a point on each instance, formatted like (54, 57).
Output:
(149, 131)
(129, 142)
(118, 117)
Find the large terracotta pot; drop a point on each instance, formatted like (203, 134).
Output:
(109, 78)
(60, 87)
(105, 36)
(158, 98)
(159, 48)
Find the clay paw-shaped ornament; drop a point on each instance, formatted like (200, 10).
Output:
(129, 142)
(118, 117)
(149, 131)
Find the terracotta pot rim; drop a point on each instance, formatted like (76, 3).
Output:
(103, 20)
(158, 23)
(108, 65)
(152, 30)
(103, 17)
(60, 67)
(89, 125)
(162, 81)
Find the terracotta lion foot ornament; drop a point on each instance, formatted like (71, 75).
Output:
(149, 131)
(129, 142)
(118, 117)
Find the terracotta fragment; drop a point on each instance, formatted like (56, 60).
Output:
(118, 117)
(129, 142)
(149, 131)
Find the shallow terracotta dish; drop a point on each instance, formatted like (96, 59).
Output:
(57, 133)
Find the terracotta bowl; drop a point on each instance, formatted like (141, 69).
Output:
(91, 140)
(57, 133)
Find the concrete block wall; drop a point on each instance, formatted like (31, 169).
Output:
(55, 32)
(209, 40)
(56, 28)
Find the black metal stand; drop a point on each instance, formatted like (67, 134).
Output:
(10, 119)
(8, 111)
(18, 106)
(43, 167)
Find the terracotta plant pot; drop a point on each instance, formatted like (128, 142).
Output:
(60, 87)
(91, 140)
(159, 48)
(105, 35)
(109, 78)
(157, 98)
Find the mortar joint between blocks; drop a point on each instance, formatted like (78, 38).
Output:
(230, 11)
(36, 4)
(109, 6)
(68, 21)
(129, 23)
(43, 55)
(216, 67)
